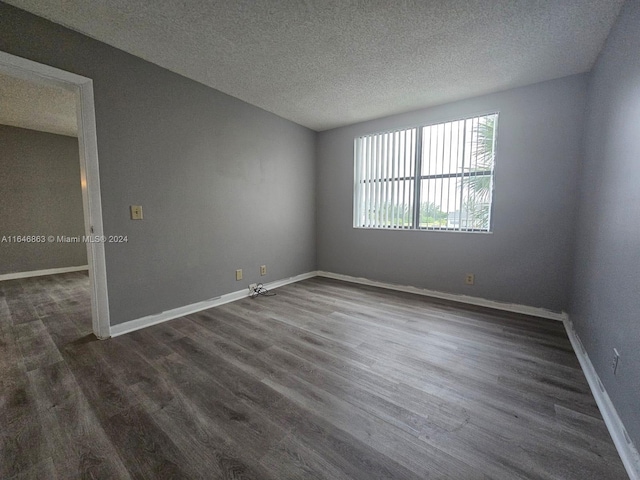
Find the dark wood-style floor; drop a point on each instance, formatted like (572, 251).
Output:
(325, 380)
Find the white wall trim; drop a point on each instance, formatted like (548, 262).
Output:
(40, 273)
(89, 172)
(508, 307)
(627, 451)
(150, 320)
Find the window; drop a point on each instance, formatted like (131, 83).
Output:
(436, 177)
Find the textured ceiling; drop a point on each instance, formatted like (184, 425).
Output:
(327, 63)
(37, 107)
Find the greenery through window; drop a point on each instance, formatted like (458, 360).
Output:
(436, 177)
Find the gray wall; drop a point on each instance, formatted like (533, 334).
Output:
(40, 195)
(527, 258)
(223, 184)
(605, 306)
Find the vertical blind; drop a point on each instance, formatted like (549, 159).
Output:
(436, 177)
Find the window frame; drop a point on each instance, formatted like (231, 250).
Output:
(417, 177)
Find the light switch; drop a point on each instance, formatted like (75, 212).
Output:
(136, 212)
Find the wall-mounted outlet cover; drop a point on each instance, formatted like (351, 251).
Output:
(263, 269)
(239, 274)
(469, 279)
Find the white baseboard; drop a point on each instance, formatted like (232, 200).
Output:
(508, 307)
(627, 451)
(147, 321)
(41, 273)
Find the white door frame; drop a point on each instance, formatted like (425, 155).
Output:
(87, 141)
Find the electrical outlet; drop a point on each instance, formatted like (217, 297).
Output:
(616, 360)
(252, 287)
(263, 270)
(239, 274)
(469, 279)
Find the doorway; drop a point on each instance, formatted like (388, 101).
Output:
(82, 88)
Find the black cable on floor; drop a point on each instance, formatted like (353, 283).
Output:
(259, 290)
